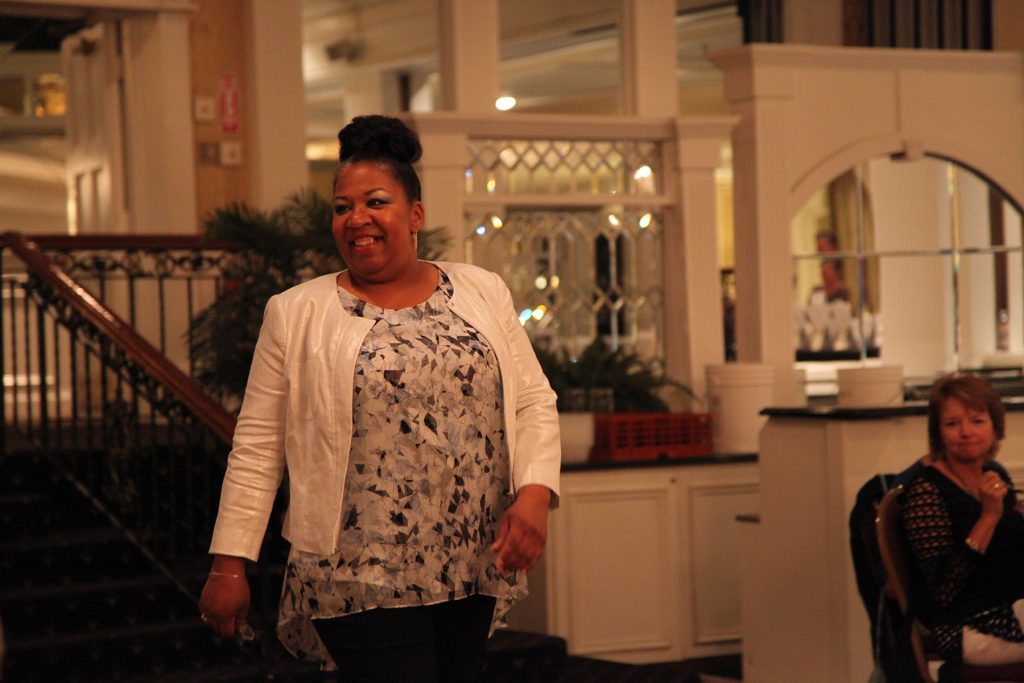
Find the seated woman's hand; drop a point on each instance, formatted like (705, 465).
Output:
(523, 530)
(992, 490)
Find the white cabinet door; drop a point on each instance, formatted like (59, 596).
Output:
(614, 557)
(642, 565)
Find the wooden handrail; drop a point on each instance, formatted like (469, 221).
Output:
(195, 242)
(180, 385)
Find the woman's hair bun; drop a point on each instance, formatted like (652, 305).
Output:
(379, 137)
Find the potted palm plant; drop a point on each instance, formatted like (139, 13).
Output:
(276, 250)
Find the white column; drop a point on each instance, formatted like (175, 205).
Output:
(275, 105)
(159, 153)
(693, 304)
(469, 41)
(442, 176)
(648, 56)
(764, 267)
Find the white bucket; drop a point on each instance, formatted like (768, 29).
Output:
(870, 387)
(577, 434)
(790, 388)
(737, 392)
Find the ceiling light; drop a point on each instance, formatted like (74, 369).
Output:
(504, 103)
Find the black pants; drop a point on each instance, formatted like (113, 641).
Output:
(442, 643)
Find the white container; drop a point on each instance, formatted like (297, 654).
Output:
(790, 388)
(737, 392)
(870, 387)
(577, 434)
(1003, 360)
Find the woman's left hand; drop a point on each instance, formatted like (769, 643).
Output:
(992, 489)
(523, 530)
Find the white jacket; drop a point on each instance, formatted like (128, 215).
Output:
(297, 410)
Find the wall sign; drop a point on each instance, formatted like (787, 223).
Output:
(227, 95)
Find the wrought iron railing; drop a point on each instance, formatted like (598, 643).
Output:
(82, 386)
(156, 283)
(128, 427)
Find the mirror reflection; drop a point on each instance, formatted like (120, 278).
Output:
(889, 235)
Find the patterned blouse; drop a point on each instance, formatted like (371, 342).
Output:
(427, 481)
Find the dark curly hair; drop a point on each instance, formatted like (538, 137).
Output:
(383, 140)
(976, 394)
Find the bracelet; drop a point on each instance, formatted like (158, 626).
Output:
(230, 576)
(973, 545)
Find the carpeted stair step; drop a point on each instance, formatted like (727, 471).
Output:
(66, 557)
(36, 500)
(50, 611)
(81, 603)
(133, 651)
(27, 514)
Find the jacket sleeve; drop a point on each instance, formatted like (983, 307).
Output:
(538, 456)
(256, 463)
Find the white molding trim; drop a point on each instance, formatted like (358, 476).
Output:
(545, 126)
(563, 201)
(820, 57)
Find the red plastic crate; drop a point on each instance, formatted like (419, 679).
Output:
(650, 436)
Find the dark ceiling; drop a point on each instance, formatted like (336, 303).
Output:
(36, 33)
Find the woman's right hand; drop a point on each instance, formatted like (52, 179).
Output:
(224, 602)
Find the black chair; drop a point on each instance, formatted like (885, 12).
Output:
(890, 629)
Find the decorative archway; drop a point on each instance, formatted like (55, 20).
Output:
(809, 113)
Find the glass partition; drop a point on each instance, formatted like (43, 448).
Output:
(574, 227)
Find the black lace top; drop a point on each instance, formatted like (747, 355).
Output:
(955, 586)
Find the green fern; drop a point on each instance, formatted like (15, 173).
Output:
(636, 383)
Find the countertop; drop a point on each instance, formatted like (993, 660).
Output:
(1012, 403)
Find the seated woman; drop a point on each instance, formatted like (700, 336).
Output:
(965, 531)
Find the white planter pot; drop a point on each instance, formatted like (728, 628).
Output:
(577, 431)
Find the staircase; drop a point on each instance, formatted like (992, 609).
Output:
(106, 447)
(80, 603)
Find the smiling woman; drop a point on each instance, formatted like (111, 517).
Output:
(378, 214)
(965, 529)
(419, 434)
